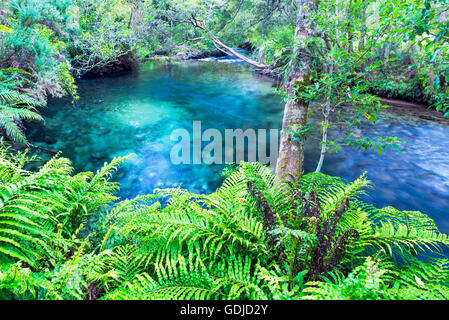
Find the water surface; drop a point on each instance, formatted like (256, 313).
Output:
(137, 113)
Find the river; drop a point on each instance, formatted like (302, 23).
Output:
(137, 113)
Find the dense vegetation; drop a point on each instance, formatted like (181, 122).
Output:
(65, 236)
(251, 239)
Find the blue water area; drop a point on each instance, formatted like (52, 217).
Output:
(136, 114)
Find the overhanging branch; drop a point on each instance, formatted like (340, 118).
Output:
(223, 47)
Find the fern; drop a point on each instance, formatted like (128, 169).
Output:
(14, 107)
(253, 238)
(41, 211)
(213, 229)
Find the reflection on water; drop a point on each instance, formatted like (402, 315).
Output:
(137, 113)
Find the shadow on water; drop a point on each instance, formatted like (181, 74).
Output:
(137, 113)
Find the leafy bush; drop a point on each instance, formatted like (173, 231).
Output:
(414, 88)
(105, 37)
(33, 44)
(277, 48)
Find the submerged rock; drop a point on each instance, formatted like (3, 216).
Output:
(97, 155)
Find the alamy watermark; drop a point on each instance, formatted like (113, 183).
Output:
(236, 146)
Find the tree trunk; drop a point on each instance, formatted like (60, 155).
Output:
(326, 113)
(291, 151)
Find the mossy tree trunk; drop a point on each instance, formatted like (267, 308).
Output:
(291, 151)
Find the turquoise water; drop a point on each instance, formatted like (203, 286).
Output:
(136, 114)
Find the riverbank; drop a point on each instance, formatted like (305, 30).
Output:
(401, 104)
(414, 109)
(417, 110)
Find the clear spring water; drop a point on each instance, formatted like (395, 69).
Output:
(136, 114)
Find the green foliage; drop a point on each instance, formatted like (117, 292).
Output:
(33, 44)
(36, 11)
(173, 31)
(377, 280)
(252, 239)
(41, 212)
(275, 48)
(32, 61)
(66, 280)
(299, 132)
(62, 236)
(344, 68)
(420, 35)
(105, 35)
(363, 283)
(14, 106)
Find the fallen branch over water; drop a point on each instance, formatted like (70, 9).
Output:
(223, 47)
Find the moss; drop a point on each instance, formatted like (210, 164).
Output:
(300, 86)
(284, 165)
